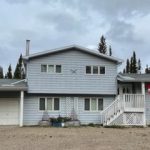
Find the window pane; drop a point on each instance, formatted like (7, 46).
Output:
(42, 104)
(88, 69)
(56, 103)
(43, 68)
(49, 103)
(93, 104)
(58, 68)
(95, 69)
(100, 104)
(87, 104)
(51, 68)
(102, 70)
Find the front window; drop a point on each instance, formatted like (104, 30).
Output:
(93, 104)
(42, 104)
(87, 104)
(49, 104)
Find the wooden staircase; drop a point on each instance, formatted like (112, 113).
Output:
(127, 109)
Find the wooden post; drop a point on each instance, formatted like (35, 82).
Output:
(143, 93)
(21, 108)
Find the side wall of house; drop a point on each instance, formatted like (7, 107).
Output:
(147, 109)
(32, 115)
(73, 79)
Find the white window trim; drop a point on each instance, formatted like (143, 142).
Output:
(96, 104)
(54, 69)
(99, 74)
(46, 105)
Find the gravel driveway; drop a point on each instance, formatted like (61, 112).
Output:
(83, 138)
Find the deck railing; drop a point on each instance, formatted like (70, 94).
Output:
(122, 103)
(133, 101)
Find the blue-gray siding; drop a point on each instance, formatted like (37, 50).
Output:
(69, 82)
(32, 115)
(147, 107)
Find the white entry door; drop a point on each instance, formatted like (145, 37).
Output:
(72, 107)
(9, 111)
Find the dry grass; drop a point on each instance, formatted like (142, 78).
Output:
(83, 138)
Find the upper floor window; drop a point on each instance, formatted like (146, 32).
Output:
(88, 69)
(49, 104)
(51, 68)
(43, 68)
(102, 70)
(93, 104)
(95, 70)
(58, 68)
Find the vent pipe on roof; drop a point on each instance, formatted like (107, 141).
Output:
(27, 47)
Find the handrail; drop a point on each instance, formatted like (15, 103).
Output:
(112, 109)
(122, 103)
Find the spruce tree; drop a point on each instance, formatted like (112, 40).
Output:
(131, 65)
(102, 47)
(147, 70)
(1, 73)
(139, 65)
(9, 73)
(128, 66)
(19, 71)
(124, 70)
(134, 65)
(110, 51)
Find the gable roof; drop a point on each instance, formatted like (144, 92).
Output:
(75, 47)
(13, 85)
(132, 77)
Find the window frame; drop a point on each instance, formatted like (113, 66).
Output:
(47, 65)
(100, 70)
(46, 68)
(97, 98)
(98, 74)
(47, 105)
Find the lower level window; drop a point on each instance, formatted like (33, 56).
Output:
(49, 104)
(93, 104)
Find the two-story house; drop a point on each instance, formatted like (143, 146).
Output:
(70, 80)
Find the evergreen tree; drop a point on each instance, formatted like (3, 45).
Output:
(102, 47)
(124, 70)
(131, 65)
(9, 73)
(134, 65)
(147, 69)
(139, 65)
(1, 73)
(19, 71)
(110, 51)
(128, 66)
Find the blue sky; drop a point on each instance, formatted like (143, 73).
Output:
(56, 23)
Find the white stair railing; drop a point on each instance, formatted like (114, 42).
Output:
(125, 102)
(112, 110)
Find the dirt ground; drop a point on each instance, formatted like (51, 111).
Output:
(83, 138)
